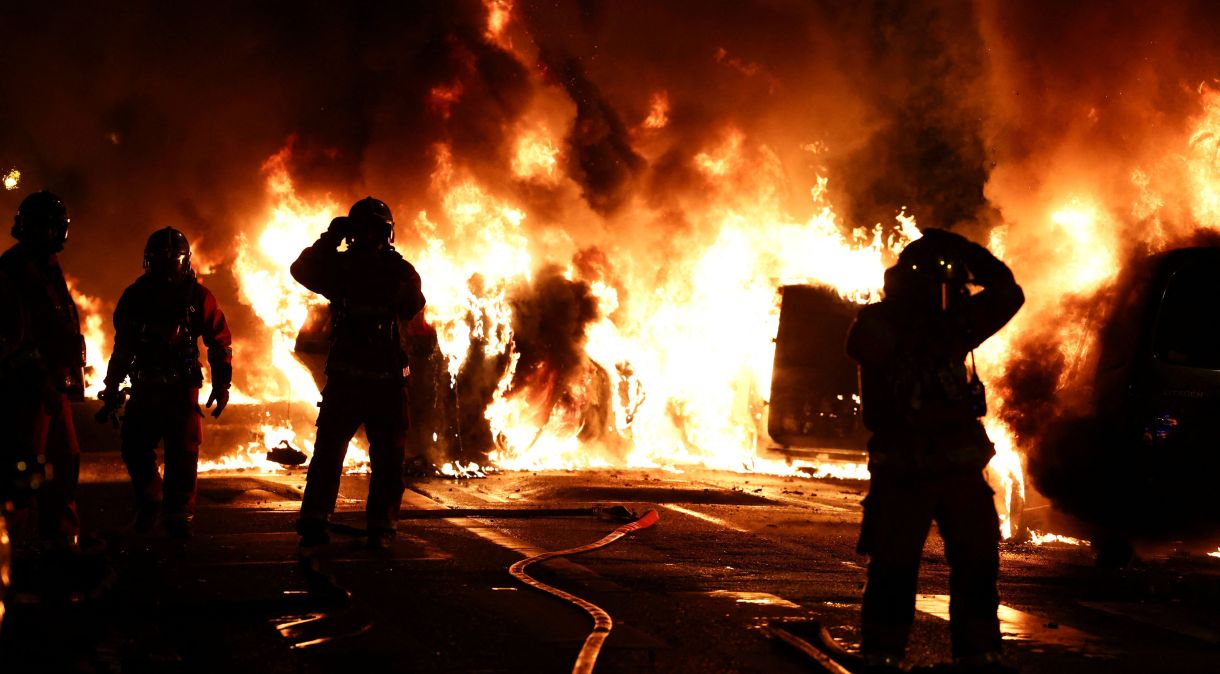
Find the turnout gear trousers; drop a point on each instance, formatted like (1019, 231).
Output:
(380, 406)
(898, 514)
(41, 361)
(157, 325)
(42, 445)
(170, 414)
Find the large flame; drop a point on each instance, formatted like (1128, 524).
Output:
(688, 347)
(262, 270)
(686, 319)
(97, 339)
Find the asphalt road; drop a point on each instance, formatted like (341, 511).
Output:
(730, 554)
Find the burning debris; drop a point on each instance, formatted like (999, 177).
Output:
(287, 455)
(1039, 538)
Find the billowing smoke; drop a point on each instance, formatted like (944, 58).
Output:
(600, 155)
(549, 320)
(1085, 419)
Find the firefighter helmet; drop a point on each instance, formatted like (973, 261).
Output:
(42, 220)
(930, 266)
(167, 254)
(370, 220)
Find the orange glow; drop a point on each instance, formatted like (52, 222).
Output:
(1087, 244)
(442, 98)
(689, 355)
(261, 268)
(93, 317)
(1039, 538)
(658, 114)
(537, 157)
(686, 314)
(723, 160)
(499, 13)
(1203, 160)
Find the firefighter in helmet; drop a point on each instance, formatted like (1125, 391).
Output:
(373, 292)
(42, 356)
(928, 447)
(157, 326)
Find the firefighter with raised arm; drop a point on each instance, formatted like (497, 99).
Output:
(373, 292)
(42, 358)
(928, 447)
(158, 323)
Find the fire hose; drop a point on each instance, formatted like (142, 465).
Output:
(602, 623)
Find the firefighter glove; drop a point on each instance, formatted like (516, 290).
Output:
(112, 401)
(220, 396)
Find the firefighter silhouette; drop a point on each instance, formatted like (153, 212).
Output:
(157, 326)
(928, 447)
(373, 293)
(42, 356)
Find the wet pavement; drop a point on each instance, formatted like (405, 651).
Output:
(730, 554)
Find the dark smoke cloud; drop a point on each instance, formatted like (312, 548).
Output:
(549, 320)
(925, 64)
(600, 155)
(146, 114)
(550, 316)
(1083, 429)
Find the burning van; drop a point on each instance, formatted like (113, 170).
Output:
(815, 390)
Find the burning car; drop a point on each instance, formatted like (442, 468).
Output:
(1142, 460)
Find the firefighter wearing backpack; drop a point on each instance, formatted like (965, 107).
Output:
(373, 292)
(158, 323)
(928, 447)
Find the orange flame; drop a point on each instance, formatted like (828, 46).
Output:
(97, 340)
(1039, 538)
(658, 114)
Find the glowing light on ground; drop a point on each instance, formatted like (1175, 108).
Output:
(1040, 538)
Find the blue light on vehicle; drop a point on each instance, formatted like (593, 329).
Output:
(1160, 429)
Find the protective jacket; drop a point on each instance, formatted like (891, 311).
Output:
(41, 347)
(370, 292)
(157, 325)
(914, 381)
